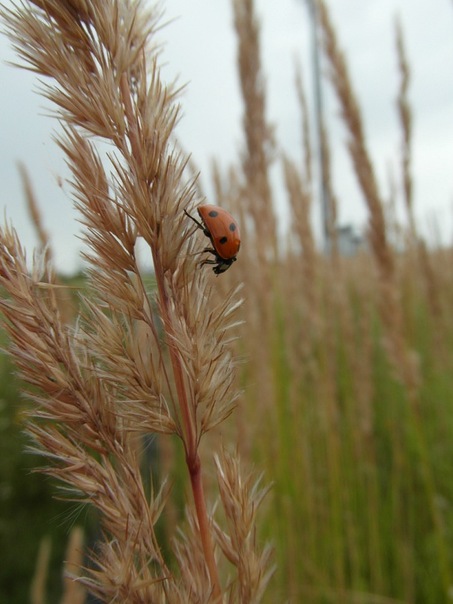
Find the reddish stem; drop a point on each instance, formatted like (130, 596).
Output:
(204, 525)
(190, 441)
(189, 434)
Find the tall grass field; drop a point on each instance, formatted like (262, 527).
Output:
(279, 433)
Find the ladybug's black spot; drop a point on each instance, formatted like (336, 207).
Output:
(232, 227)
(223, 240)
(213, 213)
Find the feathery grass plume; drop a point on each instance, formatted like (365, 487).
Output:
(415, 253)
(357, 147)
(258, 133)
(306, 132)
(403, 360)
(74, 592)
(300, 203)
(100, 386)
(254, 199)
(241, 495)
(35, 213)
(405, 115)
(56, 288)
(38, 584)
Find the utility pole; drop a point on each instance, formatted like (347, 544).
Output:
(319, 120)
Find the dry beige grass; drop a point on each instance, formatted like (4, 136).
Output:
(402, 357)
(405, 115)
(131, 366)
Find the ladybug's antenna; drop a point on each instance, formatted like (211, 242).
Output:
(198, 223)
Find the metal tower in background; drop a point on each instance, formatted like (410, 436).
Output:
(319, 121)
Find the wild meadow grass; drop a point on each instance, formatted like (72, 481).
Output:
(332, 381)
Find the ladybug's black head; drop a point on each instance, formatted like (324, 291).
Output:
(222, 265)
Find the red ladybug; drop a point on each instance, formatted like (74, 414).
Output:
(223, 231)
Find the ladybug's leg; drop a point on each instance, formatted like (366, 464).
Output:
(214, 260)
(204, 251)
(219, 265)
(208, 261)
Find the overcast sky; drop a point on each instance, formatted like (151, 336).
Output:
(200, 47)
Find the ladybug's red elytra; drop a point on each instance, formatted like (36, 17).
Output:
(223, 231)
